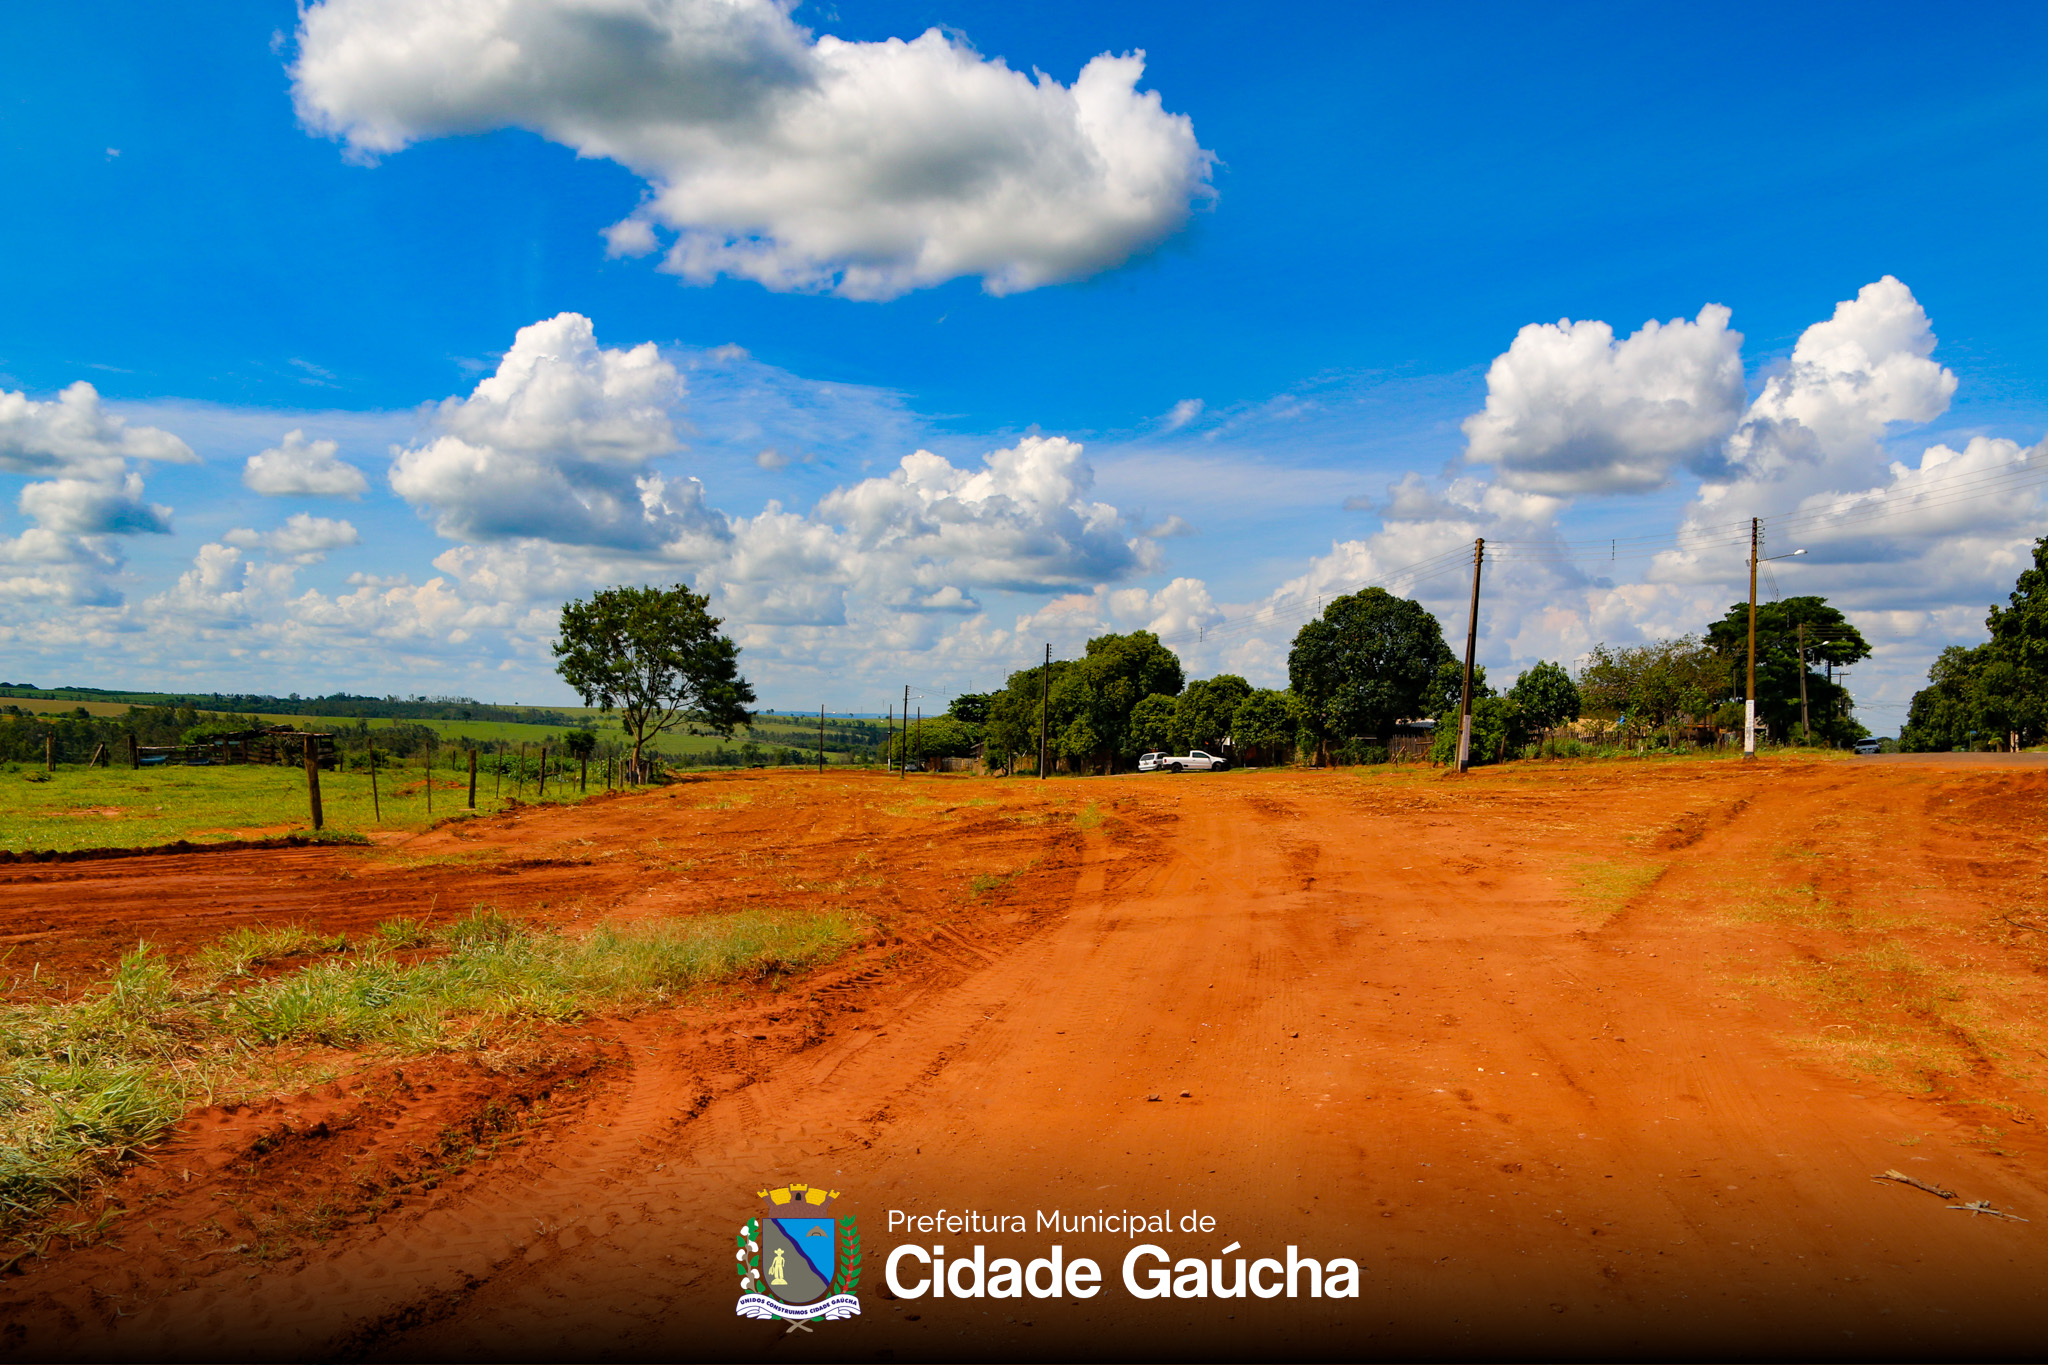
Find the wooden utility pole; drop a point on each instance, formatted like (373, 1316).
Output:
(1756, 531)
(1805, 726)
(472, 779)
(1471, 644)
(313, 779)
(1044, 705)
(376, 807)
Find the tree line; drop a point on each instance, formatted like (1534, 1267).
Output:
(1993, 695)
(1372, 662)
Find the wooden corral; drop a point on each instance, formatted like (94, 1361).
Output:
(277, 744)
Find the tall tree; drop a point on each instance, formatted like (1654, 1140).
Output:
(971, 708)
(1656, 684)
(1998, 691)
(655, 657)
(1365, 664)
(1547, 696)
(1202, 719)
(1266, 724)
(1831, 642)
(1013, 716)
(1118, 672)
(1152, 722)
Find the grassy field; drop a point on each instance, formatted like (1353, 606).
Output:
(125, 808)
(89, 1081)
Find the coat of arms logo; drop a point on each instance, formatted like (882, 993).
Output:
(796, 1260)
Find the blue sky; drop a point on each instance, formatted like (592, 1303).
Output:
(1362, 208)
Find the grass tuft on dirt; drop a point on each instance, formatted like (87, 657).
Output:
(86, 1083)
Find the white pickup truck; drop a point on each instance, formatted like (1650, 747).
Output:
(1194, 761)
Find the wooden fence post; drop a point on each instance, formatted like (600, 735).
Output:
(472, 779)
(134, 751)
(540, 792)
(430, 784)
(583, 775)
(376, 807)
(519, 778)
(50, 753)
(313, 779)
(97, 755)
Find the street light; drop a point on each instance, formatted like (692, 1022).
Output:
(1756, 535)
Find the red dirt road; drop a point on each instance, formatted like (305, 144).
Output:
(1574, 1061)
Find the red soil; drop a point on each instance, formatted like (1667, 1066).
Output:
(1556, 1053)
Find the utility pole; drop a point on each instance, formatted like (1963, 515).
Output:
(1805, 726)
(1471, 645)
(903, 768)
(1756, 531)
(472, 779)
(917, 735)
(821, 739)
(1044, 705)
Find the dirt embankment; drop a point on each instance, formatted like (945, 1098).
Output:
(1574, 1060)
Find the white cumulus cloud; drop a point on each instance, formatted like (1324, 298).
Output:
(1571, 410)
(298, 467)
(801, 162)
(1024, 520)
(95, 507)
(1850, 378)
(77, 438)
(557, 446)
(303, 538)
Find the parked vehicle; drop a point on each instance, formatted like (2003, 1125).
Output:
(1193, 761)
(1868, 746)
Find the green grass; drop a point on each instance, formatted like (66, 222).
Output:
(1606, 886)
(130, 808)
(87, 1083)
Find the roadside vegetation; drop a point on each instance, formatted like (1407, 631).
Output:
(89, 1081)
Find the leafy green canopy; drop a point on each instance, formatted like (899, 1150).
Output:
(971, 708)
(1266, 725)
(1656, 684)
(1830, 640)
(1547, 696)
(1982, 696)
(1369, 661)
(1093, 700)
(654, 656)
(936, 737)
(1205, 713)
